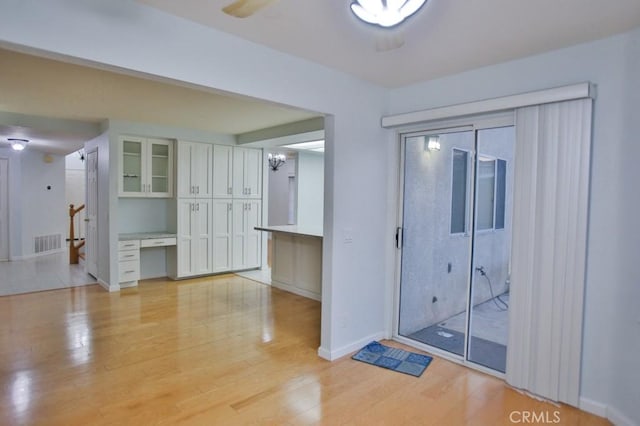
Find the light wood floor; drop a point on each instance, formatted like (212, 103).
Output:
(217, 351)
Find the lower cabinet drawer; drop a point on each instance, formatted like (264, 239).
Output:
(158, 242)
(129, 271)
(128, 255)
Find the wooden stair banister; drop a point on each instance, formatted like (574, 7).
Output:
(74, 249)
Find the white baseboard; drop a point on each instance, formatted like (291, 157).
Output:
(347, 349)
(34, 255)
(296, 290)
(606, 411)
(108, 287)
(619, 419)
(593, 407)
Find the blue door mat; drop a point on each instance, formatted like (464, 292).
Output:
(393, 359)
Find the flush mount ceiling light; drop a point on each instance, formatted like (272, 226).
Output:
(385, 13)
(18, 144)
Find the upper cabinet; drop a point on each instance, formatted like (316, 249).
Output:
(237, 172)
(146, 167)
(247, 173)
(194, 170)
(222, 171)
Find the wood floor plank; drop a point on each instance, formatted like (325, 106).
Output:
(218, 351)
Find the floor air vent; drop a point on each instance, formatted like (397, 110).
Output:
(45, 243)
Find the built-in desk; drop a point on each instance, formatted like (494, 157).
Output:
(296, 263)
(129, 246)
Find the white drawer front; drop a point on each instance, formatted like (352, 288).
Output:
(129, 271)
(158, 242)
(125, 255)
(129, 245)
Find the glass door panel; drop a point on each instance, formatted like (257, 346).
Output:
(488, 319)
(436, 250)
(132, 160)
(160, 167)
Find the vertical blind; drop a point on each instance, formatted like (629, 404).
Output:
(553, 143)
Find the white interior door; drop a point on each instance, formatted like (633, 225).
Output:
(91, 252)
(4, 209)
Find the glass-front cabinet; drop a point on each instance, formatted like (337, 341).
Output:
(146, 167)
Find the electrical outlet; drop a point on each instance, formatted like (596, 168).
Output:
(347, 235)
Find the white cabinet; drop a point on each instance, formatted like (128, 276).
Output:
(237, 172)
(146, 167)
(128, 263)
(194, 249)
(194, 170)
(222, 171)
(246, 245)
(222, 234)
(247, 173)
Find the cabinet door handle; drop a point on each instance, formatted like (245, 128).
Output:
(197, 207)
(129, 272)
(229, 206)
(191, 192)
(229, 190)
(249, 191)
(192, 206)
(198, 189)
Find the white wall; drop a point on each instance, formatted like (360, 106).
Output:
(609, 375)
(44, 209)
(310, 189)
(625, 334)
(278, 190)
(33, 209)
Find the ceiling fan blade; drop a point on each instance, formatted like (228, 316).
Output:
(245, 8)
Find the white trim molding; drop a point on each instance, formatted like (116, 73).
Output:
(346, 350)
(540, 97)
(108, 287)
(593, 407)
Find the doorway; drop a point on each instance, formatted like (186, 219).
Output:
(455, 240)
(91, 253)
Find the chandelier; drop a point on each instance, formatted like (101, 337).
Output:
(276, 160)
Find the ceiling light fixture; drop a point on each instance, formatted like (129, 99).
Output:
(316, 146)
(433, 143)
(18, 144)
(385, 13)
(276, 160)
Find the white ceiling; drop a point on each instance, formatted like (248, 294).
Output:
(444, 37)
(58, 106)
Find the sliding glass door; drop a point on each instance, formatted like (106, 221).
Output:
(455, 235)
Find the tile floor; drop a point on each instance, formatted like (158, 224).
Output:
(487, 321)
(41, 273)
